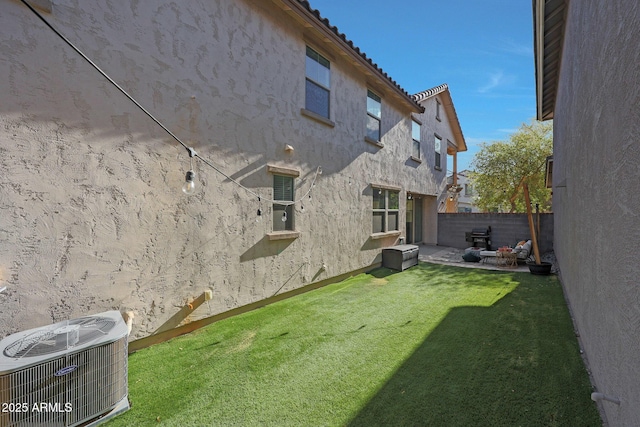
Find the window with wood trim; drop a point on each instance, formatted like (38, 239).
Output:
(415, 135)
(386, 210)
(318, 83)
(374, 116)
(283, 215)
(437, 148)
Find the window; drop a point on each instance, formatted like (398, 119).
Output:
(415, 134)
(318, 84)
(468, 190)
(437, 110)
(386, 206)
(283, 214)
(438, 144)
(374, 114)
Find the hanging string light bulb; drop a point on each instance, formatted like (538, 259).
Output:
(284, 216)
(259, 213)
(189, 186)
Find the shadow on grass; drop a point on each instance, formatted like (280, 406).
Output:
(514, 363)
(382, 272)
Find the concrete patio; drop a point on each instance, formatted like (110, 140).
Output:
(453, 256)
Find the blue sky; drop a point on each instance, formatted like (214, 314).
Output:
(482, 48)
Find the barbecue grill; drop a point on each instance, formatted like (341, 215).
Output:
(479, 237)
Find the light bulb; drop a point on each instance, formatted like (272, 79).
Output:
(284, 216)
(189, 186)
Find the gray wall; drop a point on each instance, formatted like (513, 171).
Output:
(595, 197)
(506, 229)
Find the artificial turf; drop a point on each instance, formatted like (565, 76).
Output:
(431, 346)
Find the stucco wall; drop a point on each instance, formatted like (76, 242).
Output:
(595, 197)
(93, 217)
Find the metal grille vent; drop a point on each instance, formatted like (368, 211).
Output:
(69, 374)
(95, 387)
(60, 337)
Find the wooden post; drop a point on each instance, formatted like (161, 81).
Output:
(534, 240)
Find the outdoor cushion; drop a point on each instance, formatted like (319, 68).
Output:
(525, 251)
(471, 257)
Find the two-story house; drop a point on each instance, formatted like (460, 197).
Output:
(301, 159)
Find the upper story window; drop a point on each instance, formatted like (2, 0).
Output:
(374, 115)
(415, 135)
(283, 214)
(438, 145)
(318, 83)
(386, 210)
(437, 110)
(468, 190)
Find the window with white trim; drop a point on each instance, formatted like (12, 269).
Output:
(318, 83)
(374, 115)
(283, 214)
(415, 135)
(386, 210)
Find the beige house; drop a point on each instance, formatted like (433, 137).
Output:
(587, 55)
(465, 198)
(304, 158)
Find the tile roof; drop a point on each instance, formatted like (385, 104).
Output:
(356, 49)
(425, 94)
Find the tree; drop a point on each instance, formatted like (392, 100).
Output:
(500, 169)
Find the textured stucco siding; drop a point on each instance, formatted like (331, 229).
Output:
(92, 213)
(595, 197)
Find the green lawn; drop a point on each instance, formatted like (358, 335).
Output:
(432, 346)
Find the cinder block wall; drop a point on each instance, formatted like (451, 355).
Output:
(506, 229)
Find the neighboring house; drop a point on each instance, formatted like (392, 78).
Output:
(93, 216)
(465, 195)
(587, 55)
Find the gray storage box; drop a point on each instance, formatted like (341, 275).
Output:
(400, 257)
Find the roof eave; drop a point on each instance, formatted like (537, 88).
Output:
(549, 18)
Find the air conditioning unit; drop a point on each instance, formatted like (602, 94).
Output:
(68, 374)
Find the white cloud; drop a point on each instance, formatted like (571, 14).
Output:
(497, 79)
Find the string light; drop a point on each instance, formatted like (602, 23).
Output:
(284, 216)
(189, 186)
(189, 181)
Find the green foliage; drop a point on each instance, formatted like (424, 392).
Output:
(500, 169)
(431, 346)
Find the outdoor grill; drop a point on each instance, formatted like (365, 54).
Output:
(479, 237)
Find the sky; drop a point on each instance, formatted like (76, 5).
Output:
(483, 49)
